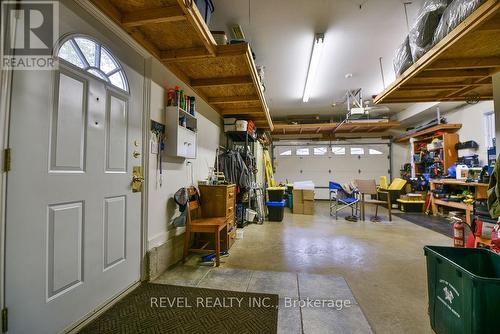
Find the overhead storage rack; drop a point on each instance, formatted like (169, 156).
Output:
(458, 68)
(175, 33)
(327, 129)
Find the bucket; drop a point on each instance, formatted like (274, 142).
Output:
(250, 215)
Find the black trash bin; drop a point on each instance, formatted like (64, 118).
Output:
(276, 211)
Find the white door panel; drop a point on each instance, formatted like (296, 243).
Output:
(73, 223)
(341, 168)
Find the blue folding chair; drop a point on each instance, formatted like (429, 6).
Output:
(340, 199)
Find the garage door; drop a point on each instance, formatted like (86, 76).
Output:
(341, 163)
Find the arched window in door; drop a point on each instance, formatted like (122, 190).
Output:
(94, 58)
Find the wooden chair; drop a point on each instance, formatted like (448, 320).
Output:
(202, 225)
(369, 187)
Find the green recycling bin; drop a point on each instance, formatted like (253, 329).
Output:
(464, 290)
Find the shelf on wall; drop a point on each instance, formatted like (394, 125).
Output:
(224, 76)
(240, 136)
(325, 129)
(430, 130)
(459, 67)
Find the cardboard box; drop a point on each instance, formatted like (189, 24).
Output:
(297, 195)
(308, 207)
(298, 208)
(308, 195)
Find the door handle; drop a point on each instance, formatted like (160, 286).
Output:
(137, 179)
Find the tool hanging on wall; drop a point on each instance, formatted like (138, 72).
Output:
(157, 147)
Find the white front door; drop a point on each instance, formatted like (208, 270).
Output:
(73, 237)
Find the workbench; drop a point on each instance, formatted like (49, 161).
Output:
(480, 191)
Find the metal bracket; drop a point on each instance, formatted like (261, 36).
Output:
(7, 160)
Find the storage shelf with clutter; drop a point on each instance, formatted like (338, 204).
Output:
(433, 155)
(181, 124)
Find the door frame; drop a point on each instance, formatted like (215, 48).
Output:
(5, 98)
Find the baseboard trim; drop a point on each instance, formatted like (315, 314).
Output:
(91, 316)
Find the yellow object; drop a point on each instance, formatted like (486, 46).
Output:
(397, 183)
(269, 170)
(137, 179)
(411, 202)
(276, 188)
(383, 182)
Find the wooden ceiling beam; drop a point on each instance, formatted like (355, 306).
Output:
(445, 85)
(107, 8)
(153, 15)
(144, 41)
(433, 99)
(176, 55)
(468, 88)
(491, 25)
(185, 55)
(453, 74)
(241, 111)
(227, 81)
(464, 63)
(233, 99)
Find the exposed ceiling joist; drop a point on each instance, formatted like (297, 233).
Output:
(240, 111)
(445, 85)
(453, 74)
(227, 81)
(183, 55)
(316, 128)
(465, 63)
(233, 99)
(175, 55)
(151, 16)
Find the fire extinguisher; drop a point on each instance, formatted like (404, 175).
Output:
(458, 234)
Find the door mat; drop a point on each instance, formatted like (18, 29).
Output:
(437, 224)
(159, 308)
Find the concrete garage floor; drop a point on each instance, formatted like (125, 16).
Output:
(383, 263)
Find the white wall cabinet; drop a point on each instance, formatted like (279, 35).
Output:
(181, 134)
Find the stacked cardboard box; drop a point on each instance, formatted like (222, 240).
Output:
(303, 201)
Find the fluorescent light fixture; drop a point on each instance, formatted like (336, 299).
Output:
(313, 65)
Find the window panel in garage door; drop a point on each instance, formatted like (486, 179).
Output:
(338, 164)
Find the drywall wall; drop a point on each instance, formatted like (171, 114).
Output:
(473, 125)
(164, 240)
(400, 157)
